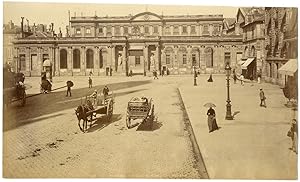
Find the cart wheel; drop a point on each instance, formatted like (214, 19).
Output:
(128, 122)
(110, 109)
(79, 124)
(151, 118)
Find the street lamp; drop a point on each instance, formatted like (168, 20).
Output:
(228, 105)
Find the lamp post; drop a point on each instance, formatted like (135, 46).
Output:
(228, 105)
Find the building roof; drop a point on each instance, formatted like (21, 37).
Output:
(39, 34)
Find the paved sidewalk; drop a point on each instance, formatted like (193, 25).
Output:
(252, 146)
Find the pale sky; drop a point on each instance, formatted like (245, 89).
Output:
(46, 13)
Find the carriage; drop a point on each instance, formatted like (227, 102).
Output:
(90, 107)
(14, 88)
(140, 108)
(46, 85)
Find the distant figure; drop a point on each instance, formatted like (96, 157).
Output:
(90, 74)
(258, 77)
(90, 82)
(130, 73)
(262, 98)
(234, 78)
(110, 71)
(195, 77)
(69, 90)
(155, 74)
(242, 79)
(211, 120)
(210, 79)
(94, 97)
(105, 91)
(293, 133)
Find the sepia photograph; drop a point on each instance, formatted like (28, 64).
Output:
(151, 91)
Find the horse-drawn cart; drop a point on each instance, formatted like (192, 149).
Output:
(87, 111)
(140, 108)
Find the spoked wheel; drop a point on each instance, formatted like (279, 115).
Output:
(110, 110)
(128, 122)
(82, 123)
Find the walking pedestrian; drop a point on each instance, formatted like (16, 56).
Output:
(258, 77)
(242, 79)
(90, 82)
(210, 79)
(293, 133)
(195, 77)
(234, 78)
(155, 74)
(69, 90)
(262, 98)
(211, 120)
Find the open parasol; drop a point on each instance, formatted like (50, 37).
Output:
(70, 83)
(209, 104)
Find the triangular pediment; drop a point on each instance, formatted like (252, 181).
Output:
(240, 17)
(146, 16)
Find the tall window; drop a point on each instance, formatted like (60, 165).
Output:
(209, 57)
(100, 59)
(216, 30)
(184, 29)
(227, 58)
(167, 31)
(88, 31)
(168, 59)
(194, 61)
(270, 66)
(22, 62)
(108, 30)
(89, 58)
(155, 29)
(176, 30)
(100, 30)
(146, 30)
(125, 30)
(137, 60)
(205, 29)
(117, 30)
(63, 59)
(33, 62)
(76, 59)
(78, 31)
(193, 29)
(184, 59)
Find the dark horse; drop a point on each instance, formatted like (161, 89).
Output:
(81, 113)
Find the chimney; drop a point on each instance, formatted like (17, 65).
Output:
(22, 27)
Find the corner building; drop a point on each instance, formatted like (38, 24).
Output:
(140, 43)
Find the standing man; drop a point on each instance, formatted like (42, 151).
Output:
(69, 89)
(242, 79)
(90, 82)
(195, 77)
(262, 98)
(105, 91)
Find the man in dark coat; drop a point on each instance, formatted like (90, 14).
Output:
(211, 120)
(105, 91)
(262, 98)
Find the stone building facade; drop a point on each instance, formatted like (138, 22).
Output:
(281, 41)
(140, 43)
(10, 33)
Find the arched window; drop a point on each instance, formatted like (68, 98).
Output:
(246, 52)
(63, 59)
(253, 51)
(89, 58)
(271, 70)
(76, 59)
(209, 57)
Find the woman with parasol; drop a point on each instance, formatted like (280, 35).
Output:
(211, 119)
(69, 85)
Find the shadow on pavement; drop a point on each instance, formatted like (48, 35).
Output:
(145, 127)
(101, 122)
(49, 103)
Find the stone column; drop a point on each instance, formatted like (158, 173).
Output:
(27, 61)
(96, 60)
(82, 60)
(145, 51)
(109, 53)
(157, 57)
(188, 29)
(57, 62)
(39, 59)
(198, 29)
(124, 59)
(210, 29)
(189, 56)
(70, 61)
(113, 57)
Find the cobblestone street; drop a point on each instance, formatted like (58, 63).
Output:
(43, 139)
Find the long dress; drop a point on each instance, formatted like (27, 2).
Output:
(211, 120)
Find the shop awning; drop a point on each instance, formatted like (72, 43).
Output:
(289, 68)
(247, 63)
(241, 62)
(47, 62)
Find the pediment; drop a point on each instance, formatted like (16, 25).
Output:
(146, 16)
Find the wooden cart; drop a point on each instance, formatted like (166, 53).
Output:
(140, 108)
(87, 111)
